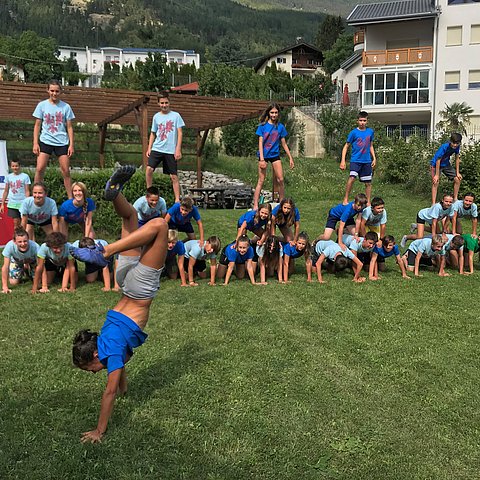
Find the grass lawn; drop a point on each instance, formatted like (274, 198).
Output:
(303, 381)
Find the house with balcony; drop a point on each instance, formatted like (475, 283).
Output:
(299, 59)
(411, 57)
(91, 61)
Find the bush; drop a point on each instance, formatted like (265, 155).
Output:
(105, 220)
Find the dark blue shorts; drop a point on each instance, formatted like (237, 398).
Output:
(332, 222)
(363, 171)
(57, 150)
(185, 228)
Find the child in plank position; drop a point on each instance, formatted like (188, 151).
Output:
(344, 215)
(91, 269)
(17, 189)
(286, 215)
(379, 254)
(54, 259)
(427, 252)
(151, 205)
(238, 258)
(453, 251)
(466, 208)
(270, 258)
(428, 218)
(361, 247)
(440, 163)
(336, 260)
(301, 248)
(175, 261)
(255, 221)
(197, 256)
(374, 218)
(179, 217)
(471, 247)
(142, 256)
(19, 259)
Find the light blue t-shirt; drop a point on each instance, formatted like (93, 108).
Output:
(374, 220)
(12, 252)
(165, 125)
(361, 140)
(145, 212)
(39, 214)
(435, 211)
(329, 249)
(447, 247)
(45, 252)
(193, 249)
(355, 244)
(464, 212)
(424, 246)
(16, 189)
(54, 122)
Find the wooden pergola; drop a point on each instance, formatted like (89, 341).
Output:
(126, 107)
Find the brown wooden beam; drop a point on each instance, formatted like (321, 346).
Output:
(201, 139)
(102, 138)
(129, 108)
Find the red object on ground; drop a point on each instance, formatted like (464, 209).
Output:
(6, 228)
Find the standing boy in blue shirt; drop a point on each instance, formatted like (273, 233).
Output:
(363, 160)
(440, 163)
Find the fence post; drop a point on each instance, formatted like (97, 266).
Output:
(294, 94)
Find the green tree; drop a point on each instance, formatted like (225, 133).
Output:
(340, 51)
(227, 50)
(328, 32)
(454, 118)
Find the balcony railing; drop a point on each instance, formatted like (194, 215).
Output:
(397, 56)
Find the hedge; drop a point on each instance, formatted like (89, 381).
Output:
(105, 220)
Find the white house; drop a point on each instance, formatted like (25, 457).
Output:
(411, 57)
(91, 60)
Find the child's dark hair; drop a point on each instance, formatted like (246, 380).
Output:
(387, 239)
(54, 81)
(271, 255)
(469, 194)
(341, 263)
(243, 239)
(153, 191)
(56, 240)
(445, 195)
(308, 245)
(288, 220)
(266, 113)
(84, 347)
(371, 236)
(457, 242)
(20, 232)
(360, 199)
(163, 94)
(14, 161)
(42, 185)
(257, 214)
(456, 138)
(215, 242)
(187, 203)
(362, 114)
(377, 201)
(86, 242)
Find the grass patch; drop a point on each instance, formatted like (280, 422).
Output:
(337, 381)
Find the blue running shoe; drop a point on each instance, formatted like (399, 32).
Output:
(93, 254)
(117, 181)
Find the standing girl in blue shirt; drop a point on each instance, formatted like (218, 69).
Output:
(270, 134)
(54, 119)
(79, 210)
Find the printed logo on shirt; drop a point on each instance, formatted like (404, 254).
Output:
(363, 144)
(164, 129)
(53, 121)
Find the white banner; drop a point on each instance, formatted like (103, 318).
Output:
(3, 166)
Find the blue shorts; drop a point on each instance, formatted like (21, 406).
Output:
(332, 222)
(185, 228)
(363, 171)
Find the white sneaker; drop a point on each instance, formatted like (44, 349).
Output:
(413, 227)
(403, 243)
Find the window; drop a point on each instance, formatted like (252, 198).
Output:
(281, 60)
(73, 54)
(454, 36)
(108, 58)
(452, 80)
(396, 88)
(94, 62)
(475, 34)
(474, 79)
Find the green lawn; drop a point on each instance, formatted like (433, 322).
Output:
(303, 381)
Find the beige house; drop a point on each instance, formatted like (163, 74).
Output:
(411, 57)
(299, 59)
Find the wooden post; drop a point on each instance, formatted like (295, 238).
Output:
(102, 137)
(201, 139)
(144, 134)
